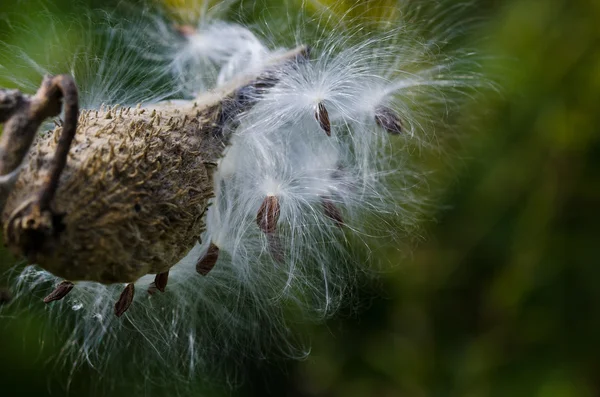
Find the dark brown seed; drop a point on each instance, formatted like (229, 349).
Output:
(387, 119)
(206, 263)
(268, 214)
(124, 300)
(322, 117)
(332, 212)
(59, 292)
(160, 281)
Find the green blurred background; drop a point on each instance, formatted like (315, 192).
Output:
(502, 297)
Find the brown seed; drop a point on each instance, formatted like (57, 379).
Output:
(160, 281)
(206, 263)
(59, 292)
(322, 117)
(387, 119)
(185, 30)
(332, 212)
(124, 300)
(268, 214)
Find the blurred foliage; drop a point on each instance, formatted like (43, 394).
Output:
(502, 298)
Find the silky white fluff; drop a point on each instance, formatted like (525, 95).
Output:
(278, 148)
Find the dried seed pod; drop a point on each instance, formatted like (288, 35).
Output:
(124, 300)
(160, 281)
(322, 117)
(268, 214)
(98, 235)
(59, 292)
(387, 119)
(332, 211)
(116, 167)
(206, 262)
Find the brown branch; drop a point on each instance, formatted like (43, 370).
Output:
(60, 87)
(22, 116)
(28, 225)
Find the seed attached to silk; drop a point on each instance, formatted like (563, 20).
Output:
(59, 292)
(206, 263)
(322, 117)
(160, 281)
(389, 120)
(124, 300)
(268, 214)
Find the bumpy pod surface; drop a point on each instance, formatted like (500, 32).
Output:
(132, 196)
